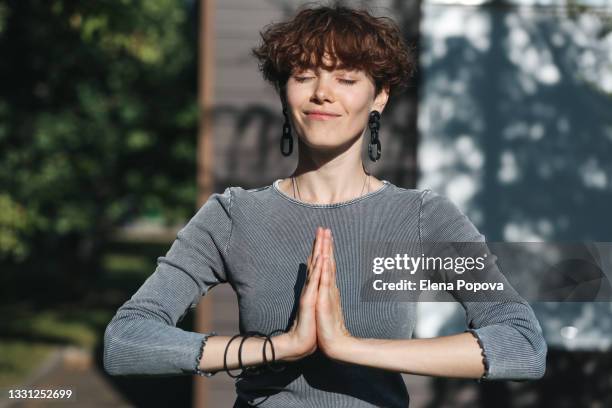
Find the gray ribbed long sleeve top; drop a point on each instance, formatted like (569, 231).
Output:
(258, 240)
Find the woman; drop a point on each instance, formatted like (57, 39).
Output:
(334, 69)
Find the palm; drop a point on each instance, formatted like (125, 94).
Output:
(320, 321)
(304, 330)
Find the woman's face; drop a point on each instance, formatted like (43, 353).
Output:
(347, 96)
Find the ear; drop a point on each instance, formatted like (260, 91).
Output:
(380, 101)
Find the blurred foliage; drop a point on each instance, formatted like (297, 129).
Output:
(14, 223)
(31, 332)
(98, 117)
(17, 360)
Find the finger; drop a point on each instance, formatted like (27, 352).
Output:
(312, 249)
(324, 272)
(330, 287)
(325, 243)
(320, 236)
(316, 276)
(332, 250)
(318, 242)
(312, 271)
(332, 284)
(332, 277)
(329, 253)
(323, 293)
(312, 282)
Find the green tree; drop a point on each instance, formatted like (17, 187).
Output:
(98, 116)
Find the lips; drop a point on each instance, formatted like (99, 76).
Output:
(321, 113)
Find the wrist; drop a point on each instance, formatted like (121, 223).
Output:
(282, 347)
(342, 349)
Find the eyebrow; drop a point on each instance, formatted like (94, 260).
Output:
(339, 70)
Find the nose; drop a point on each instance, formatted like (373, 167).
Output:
(323, 91)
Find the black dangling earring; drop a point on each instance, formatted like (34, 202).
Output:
(374, 125)
(286, 142)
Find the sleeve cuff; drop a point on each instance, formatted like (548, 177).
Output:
(197, 370)
(485, 359)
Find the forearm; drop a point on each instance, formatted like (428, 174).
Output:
(251, 354)
(457, 356)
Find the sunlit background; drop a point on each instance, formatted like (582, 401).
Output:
(102, 105)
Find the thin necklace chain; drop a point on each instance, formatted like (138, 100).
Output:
(295, 185)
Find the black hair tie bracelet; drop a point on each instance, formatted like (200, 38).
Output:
(248, 370)
(225, 357)
(252, 370)
(265, 357)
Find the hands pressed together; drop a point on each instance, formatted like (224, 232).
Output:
(319, 322)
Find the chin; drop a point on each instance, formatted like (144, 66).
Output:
(321, 143)
(325, 141)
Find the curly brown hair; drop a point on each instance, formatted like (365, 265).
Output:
(352, 39)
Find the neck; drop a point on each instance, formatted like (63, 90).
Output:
(329, 177)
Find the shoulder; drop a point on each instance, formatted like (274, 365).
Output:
(237, 196)
(435, 204)
(430, 203)
(441, 219)
(425, 195)
(219, 208)
(241, 195)
(411, 196)
(233, 193)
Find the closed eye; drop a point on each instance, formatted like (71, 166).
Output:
(344, 81)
